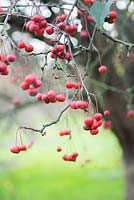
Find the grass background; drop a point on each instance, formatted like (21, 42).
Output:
(40, 173)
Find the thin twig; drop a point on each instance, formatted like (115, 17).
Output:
(42, 130)
(8, 15)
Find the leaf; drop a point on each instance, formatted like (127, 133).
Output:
(99, 11)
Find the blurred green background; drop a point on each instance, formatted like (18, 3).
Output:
(40, 173)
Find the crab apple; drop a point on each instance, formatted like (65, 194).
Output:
(5, 73)
(73, 29)
(113, 14)
(67, 56)
(86, 1)
(59, 149)
(69, 85)
(29, 48)
(111, 21)
(61, 133)
(30, 79)
(70, 158)
(88, 121)
(67, 29)
(43, 24)
(106, 113)
(102, 69)
(61, 55)
(23, 147)
(52, 55)
(11, 58)
(82, 104)
(130, 113)
(54, 51)
(33, 27)
(99, 123)
(32, 91)
(65, 157)
(40, 32)
(45, 98)
(21, 45)
(39, 96)
(73, 105)
(63, 17)
(51, 96)
(98, 116)
(89, 18)
(84, 34)
(80, 13)
(77, 85)
(75, 154)
(28, 24)
(61, 26)
(61, 97)
(86, 127)
(94, 125)
(132, 56)
(60, 47)
(3, 58)
(24, 86)
(37, 83)
(1, 10)
(3, 67)
(107, 124)
(36, 18)
(64, 132)
(49, 30)
(92, 1)
(94, 132)
(15, 149)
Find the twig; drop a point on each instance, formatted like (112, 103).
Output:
(8, 15)
(127, 44)
(42, 130)
(74, 4)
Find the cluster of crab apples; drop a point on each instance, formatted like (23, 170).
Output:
(68, 157)
(16, 149)
(51, 97)
(4, 62)
(59, 52)
(37, 25)
(93, 123)
(31, 84)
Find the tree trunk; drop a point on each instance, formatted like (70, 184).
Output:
(129, 175)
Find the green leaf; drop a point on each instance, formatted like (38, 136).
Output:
(99, 11)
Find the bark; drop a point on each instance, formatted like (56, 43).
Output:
(129, 175)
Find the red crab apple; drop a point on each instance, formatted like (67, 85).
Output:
(21, 45)
(23, 147)
(49, 30)
(11, 58)
(102, 69)
(59, 149)
(15, 149)
(106, 113)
